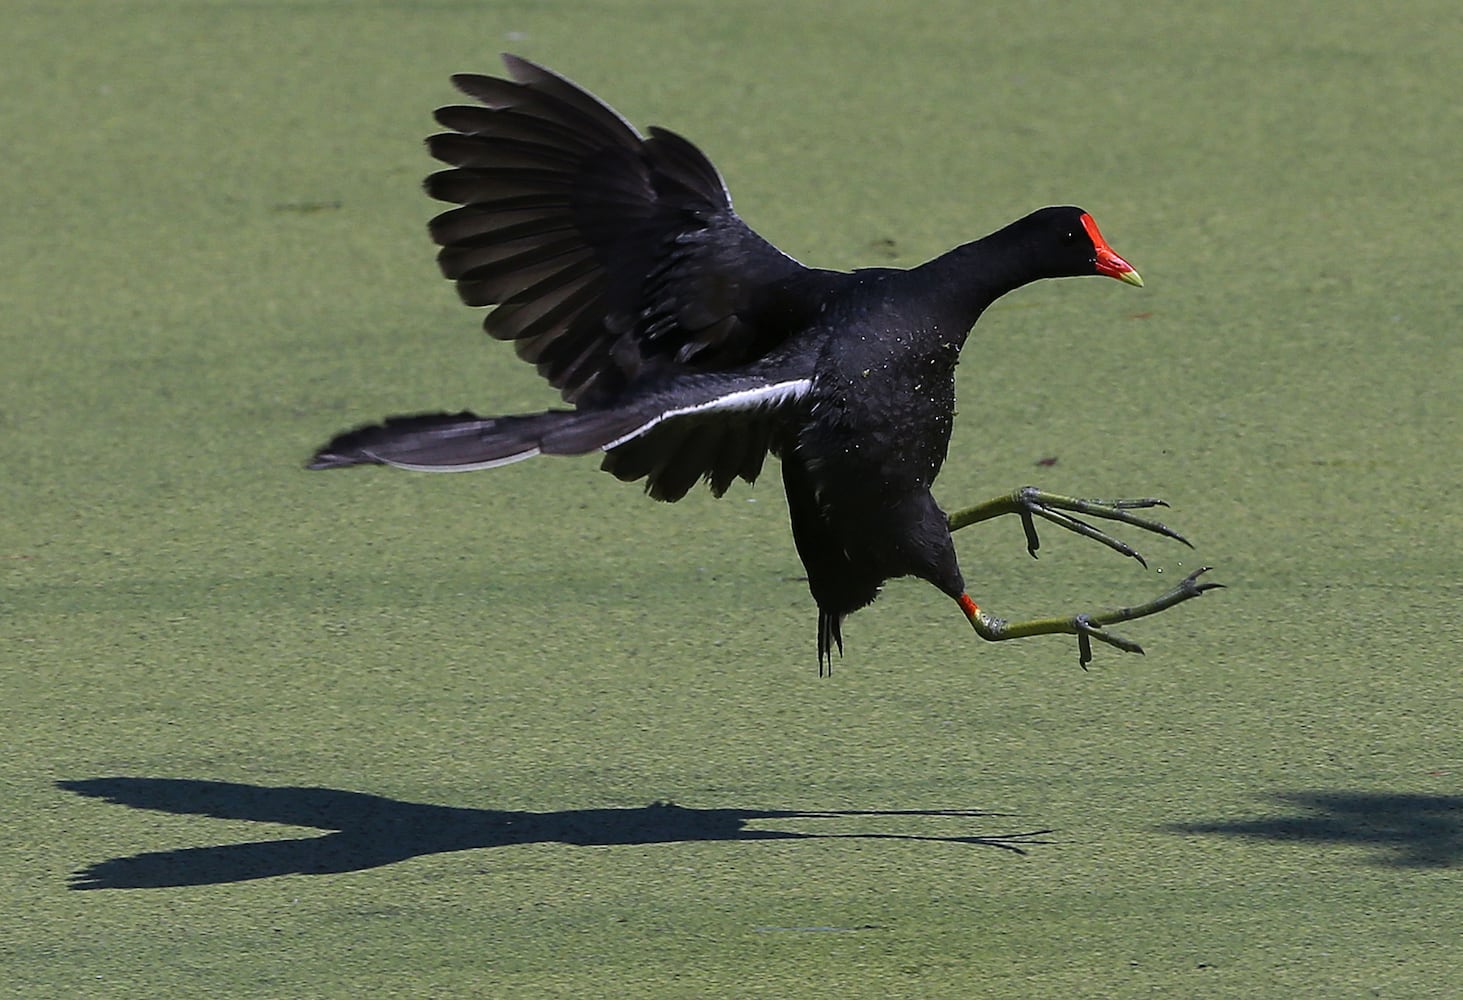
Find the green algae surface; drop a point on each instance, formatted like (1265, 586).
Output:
(526, 733)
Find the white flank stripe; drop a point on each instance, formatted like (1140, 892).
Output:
(762, 397)
(469, 467)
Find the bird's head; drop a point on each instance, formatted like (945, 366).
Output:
(1071, 245)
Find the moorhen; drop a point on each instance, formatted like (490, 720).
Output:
(690, 347)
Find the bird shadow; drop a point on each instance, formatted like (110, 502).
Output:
(368, 831)
(1405, 831)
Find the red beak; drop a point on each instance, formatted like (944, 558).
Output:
(1108, 262)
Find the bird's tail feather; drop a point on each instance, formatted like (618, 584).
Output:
(830, 633)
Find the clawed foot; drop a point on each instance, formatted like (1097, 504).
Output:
(1089, 626)
(1030, 503)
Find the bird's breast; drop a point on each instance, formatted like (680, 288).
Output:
(883, 411)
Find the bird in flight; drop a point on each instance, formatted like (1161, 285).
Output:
(687, 348)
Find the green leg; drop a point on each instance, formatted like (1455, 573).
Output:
(1085, 627)
(1030, 502)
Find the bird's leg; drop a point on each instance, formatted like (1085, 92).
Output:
(1084, 627)
(1029, 502)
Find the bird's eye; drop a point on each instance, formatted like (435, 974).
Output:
(1069, 238)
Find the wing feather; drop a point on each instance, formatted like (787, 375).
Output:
(712, 427)
(579, 228)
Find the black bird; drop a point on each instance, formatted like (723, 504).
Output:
(690, 347)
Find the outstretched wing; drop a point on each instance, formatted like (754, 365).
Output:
(710, 426)
(610, 256)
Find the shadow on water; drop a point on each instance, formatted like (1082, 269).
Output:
(1407, 831)
(369, 831)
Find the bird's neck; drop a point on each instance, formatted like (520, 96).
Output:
(970, 277)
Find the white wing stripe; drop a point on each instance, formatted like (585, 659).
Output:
(466, 467)
(762, 397)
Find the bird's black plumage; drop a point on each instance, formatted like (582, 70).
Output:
(689, 347)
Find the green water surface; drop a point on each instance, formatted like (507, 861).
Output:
(267, 733)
